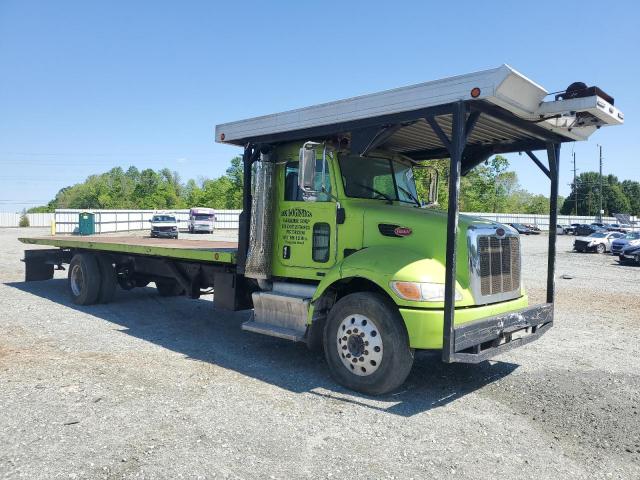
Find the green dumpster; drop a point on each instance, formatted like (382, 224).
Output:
(87, 223)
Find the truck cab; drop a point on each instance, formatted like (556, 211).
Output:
(342, 249)
(357, 212)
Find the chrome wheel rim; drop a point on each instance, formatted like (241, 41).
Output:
(359, 345)
(77, 280)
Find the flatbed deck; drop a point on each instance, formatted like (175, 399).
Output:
(196, 250)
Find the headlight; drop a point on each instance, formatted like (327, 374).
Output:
(174, 228)
(421, 291)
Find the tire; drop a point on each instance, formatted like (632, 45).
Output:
(378, 324)
(601, 248)
(84, 279)
(108, 279)
(169, 288)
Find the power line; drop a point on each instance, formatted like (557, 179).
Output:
(575, 187)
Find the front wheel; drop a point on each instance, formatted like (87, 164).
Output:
(366, 344)
(601, 248)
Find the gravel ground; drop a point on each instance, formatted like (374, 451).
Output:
(149, 387)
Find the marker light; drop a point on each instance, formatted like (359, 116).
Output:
(475, 92)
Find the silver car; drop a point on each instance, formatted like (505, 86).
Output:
(596, 242)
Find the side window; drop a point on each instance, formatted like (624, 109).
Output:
(292, 192)
(321, 242)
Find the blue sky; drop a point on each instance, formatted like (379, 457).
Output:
(85, 86)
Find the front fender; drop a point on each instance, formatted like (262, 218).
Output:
(382, 264)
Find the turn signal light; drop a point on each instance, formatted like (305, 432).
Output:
(408, 290)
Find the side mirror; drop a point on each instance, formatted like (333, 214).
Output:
(307, 169)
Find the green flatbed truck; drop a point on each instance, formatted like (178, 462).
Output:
(335, 248)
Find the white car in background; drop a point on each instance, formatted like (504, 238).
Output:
(164, 225)
(596, 242)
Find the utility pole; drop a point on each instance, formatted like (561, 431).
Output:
(575, 185)
(601, 192)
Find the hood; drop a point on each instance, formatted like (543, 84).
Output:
(620, 241)
(589, 239)
(164, 224)
(428, 232)
(420, 218)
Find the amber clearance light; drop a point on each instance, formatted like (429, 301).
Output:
(475, 92)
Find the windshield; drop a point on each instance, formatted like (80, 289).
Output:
(378, 178)
(203, 217)
(598, 235)
(632, 236)
(163, 218)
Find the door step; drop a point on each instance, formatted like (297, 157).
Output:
(274, 331)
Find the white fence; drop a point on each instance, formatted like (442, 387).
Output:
(9, 219)
(126, 220)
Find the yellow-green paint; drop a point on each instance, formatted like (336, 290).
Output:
(425, 326)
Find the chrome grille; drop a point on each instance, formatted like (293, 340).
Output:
(499, 264)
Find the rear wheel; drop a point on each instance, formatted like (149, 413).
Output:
(84, 279)
(169, 288)
(601, 248)
(108, 279)
(366, 344)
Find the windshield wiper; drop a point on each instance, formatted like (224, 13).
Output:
(410, 196)
(377, 192)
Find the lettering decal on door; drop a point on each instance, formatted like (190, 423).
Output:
(295, 225)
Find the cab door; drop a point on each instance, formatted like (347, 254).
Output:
(306, 223)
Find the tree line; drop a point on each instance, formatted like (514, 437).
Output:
(151, 190)
(490, 187)
(617, 196)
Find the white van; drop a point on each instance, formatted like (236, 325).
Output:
(201, 220)
(164, 225)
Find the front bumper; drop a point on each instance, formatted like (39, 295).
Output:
(164, 234)
(202, 228)
(480, 332)
(584, 247)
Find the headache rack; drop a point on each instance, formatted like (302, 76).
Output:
(466, 118)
